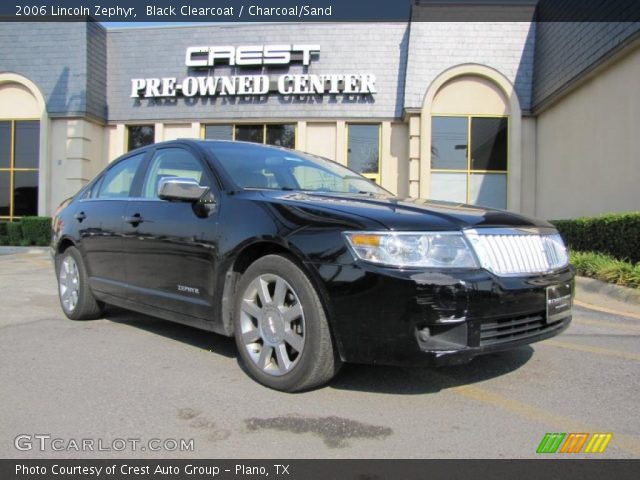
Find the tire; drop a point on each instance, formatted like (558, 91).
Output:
(76, 298)
(280, 327)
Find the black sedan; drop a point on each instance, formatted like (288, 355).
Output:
(305, 262)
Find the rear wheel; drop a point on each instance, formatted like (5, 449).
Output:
(281, 329)
(76, 298)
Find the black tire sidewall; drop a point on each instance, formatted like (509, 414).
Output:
(310, 301)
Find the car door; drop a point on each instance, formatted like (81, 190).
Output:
(170, 247)
(99, 219)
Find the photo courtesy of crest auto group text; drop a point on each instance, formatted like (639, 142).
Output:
(319, 240)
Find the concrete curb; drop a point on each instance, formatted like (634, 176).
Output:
(29, 250)
(595, 292)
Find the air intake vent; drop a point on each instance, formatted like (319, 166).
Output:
(510, 252)
(513, 329)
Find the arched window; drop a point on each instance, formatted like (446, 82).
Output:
(470, 143)
(19, 151)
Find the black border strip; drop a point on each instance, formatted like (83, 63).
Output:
(329, 469)
(332, 11)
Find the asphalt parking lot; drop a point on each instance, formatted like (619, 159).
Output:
(129, 376)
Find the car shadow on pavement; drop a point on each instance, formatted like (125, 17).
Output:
(195, 337)
(421, 380)
(364, 378)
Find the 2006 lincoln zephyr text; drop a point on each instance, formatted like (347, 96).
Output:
(305, 262)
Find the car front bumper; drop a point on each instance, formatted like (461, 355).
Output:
(390, 316)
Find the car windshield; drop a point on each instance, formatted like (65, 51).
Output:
(257, 166)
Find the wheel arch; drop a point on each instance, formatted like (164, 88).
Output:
(63, 244)
(248, 255)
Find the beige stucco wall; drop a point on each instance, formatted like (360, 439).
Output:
(114, 142)
(17, 102)
(173, 131)
(588, 146)
(469, 95)
(320, 139)
(528, 194)
(394, 158)
(77, 155)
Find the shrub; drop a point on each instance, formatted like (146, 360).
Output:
(615, 234)
(14, 233)
(606, 268)
(36, 230)
(4, 240)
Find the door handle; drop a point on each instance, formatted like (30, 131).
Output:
(80, 216)
(134, 219)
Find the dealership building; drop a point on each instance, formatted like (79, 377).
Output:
(535, 117)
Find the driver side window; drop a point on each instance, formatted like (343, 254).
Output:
(172, 162)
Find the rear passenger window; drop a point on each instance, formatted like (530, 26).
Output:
(118, 180)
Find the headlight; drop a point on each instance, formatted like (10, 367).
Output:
(400, 249)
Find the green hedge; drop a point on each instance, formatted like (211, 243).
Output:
(616, 234)
(27, 231)
(14, 233)
(4, 240)
(36, 230)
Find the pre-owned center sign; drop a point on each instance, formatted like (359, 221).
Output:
(208, 57)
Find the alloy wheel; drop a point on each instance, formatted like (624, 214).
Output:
(69, 283)
(272, 323)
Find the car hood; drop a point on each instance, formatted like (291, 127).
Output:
(404, 214)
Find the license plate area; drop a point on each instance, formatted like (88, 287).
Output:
(559, 301)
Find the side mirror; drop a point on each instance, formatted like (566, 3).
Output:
(180, 189)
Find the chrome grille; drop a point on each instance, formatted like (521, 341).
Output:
(518, 251)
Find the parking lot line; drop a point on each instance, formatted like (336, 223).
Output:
(555, 422)
(611, 311)
(590, 349)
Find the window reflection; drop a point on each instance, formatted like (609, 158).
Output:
(27, 141)
(449, 143)
(140, 136)
(363, 153)
(19, 163)
(489, 144)
(250, 133)
(469, 157)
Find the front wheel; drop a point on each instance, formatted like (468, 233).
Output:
(281, 329)
(76, 298)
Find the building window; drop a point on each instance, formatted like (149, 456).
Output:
(140, 136)
(250, 133)
(469, 159)
(19, 161)
(282, 135)
(218, 132)
(363, 150)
